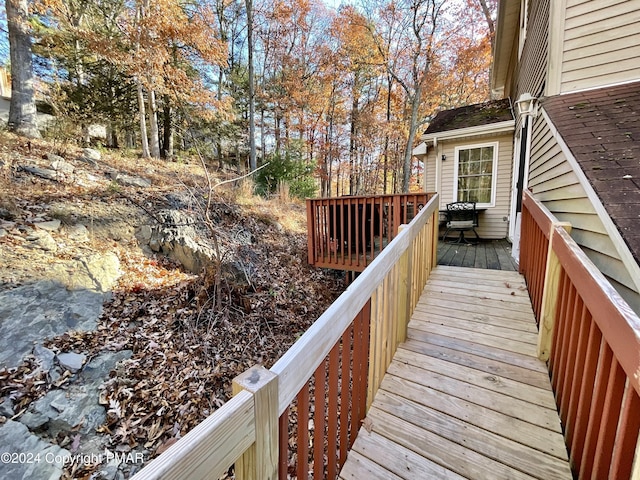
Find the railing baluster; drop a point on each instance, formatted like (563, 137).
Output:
(597, 407)
(302, 470)
(283, 453)
(577, 445)
(318, 420)
(609, 420)
(333, 413)
(571, 347)
(578, 365)
(627, 436)
(345, 392)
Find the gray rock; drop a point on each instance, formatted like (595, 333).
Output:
(52, 157)
(62, 166)
(50, 226)
(6, 408)
(31, 313)
(6, 214)
(43, 240)
(177, 238)
(3, 232)
(104, 270)
(76, 408)
(44, 356)
(97, 370)
(78, 232)
(15, 438)
(131, 181)
(41, 172)
(96, 272)
(36, 421)
(91, 155)
(71, 361)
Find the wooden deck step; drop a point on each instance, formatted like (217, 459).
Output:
(465, 395)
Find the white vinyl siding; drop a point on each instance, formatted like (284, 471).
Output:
(601, 44)
(555, 183)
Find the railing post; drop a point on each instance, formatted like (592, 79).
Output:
(260, 461)
(435, 219)
(549, 295)
(311, 232)
(404, 292)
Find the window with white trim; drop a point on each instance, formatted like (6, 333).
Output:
(476, 172)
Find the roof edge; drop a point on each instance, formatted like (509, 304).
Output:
(506, 29)
(498, 127)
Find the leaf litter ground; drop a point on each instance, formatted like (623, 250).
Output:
(185, 353)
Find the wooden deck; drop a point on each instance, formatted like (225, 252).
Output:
(465, 395)
(490, 254)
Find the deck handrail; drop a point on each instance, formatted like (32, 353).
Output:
(348, 232)
(592, 340)
(240, 431)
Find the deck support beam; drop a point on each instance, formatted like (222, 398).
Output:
(260, 461)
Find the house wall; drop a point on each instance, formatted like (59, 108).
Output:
(533, 61)
(493, 222)
(601, 44)
(555, 183)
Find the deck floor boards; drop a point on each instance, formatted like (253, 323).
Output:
(465, 396)
(487, 254)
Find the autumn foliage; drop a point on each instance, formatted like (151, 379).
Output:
(353, 84)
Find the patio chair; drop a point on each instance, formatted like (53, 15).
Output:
(461, 216)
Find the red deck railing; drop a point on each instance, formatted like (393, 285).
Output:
(592, 340)
(347, 233)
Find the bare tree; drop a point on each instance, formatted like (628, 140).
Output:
(252, 88)
(22, 109)
(406, 35)
(486, 10)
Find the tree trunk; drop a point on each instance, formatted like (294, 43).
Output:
(167, 143)
(143, 122)
(252, 90)
(413, 127)
(353, 188)
(22, 109)
(154, 134)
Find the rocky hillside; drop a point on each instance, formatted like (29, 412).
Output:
(129, 299)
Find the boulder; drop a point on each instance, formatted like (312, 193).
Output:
(43, 240)
(130, 181)
(90, 155)
(98, 272)
(77, 232)
(177, 238)
(45, 173)
(50, 226)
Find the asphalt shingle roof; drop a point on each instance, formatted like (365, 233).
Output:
(486, 113)
(602, 129)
